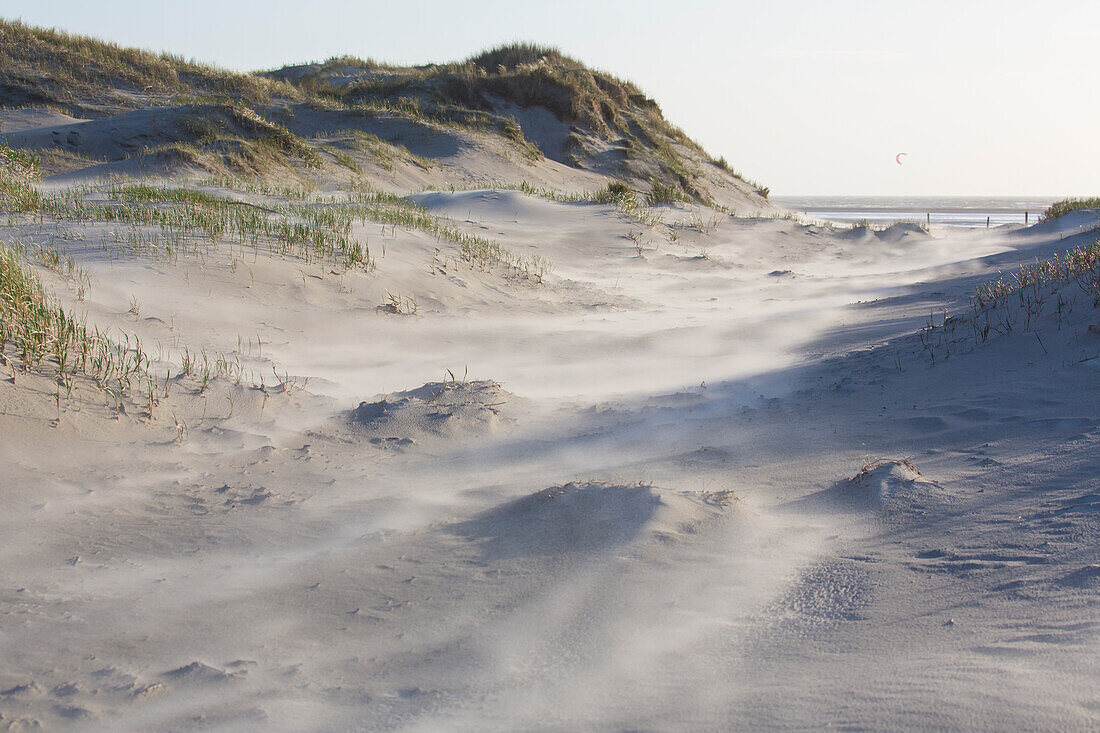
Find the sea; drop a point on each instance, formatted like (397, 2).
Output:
(954, 211)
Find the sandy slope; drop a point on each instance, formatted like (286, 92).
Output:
(629, 505)
(415, 154)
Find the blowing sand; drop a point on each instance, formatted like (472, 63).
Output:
(707, 475)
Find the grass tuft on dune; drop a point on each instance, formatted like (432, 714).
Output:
(37, 334)
(1065, 206)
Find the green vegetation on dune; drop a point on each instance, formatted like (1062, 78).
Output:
(385, 154)
(471, 94)
(37, 334)
(523, 74)
(312, 230)
(16, 193)
(438, 113)
(238, 138)
(227, 122)
(218, 129)
(83, 74)
(1080, 265)
(1063, 207)
(307, 232)
(19, 162)
(1038, 296)
(143, 193)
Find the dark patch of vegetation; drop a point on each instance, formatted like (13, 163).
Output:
(227, 121)
(661, 193)
(344, 160)
(235, 137)
(523, 74)
(387, 153)
(512, 56)
(16, 193)
(19, 162)
(447, 115)
(619, 194)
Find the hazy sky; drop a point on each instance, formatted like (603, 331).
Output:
(807, 97)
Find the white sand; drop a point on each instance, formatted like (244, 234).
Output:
(551, 545)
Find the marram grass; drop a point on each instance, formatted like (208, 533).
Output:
(1063, 207)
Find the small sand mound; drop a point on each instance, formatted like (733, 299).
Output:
(1085, 577)
(891, 485)
(858, 232)
(200, 673)
(882, 473)
(588, 517)
(436, 408)
(894, 233)
(901, 230)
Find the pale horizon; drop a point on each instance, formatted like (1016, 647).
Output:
(987, 100)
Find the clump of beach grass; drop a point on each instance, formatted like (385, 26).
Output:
(1065, 206)
(1080, 265)
(306, 231)
(1018, 302)
(37, 334)
(662, 193)
(20, 163)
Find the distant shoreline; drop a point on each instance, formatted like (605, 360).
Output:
(965, 211)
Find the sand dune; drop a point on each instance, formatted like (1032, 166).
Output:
(485, 457)
(582, 519)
